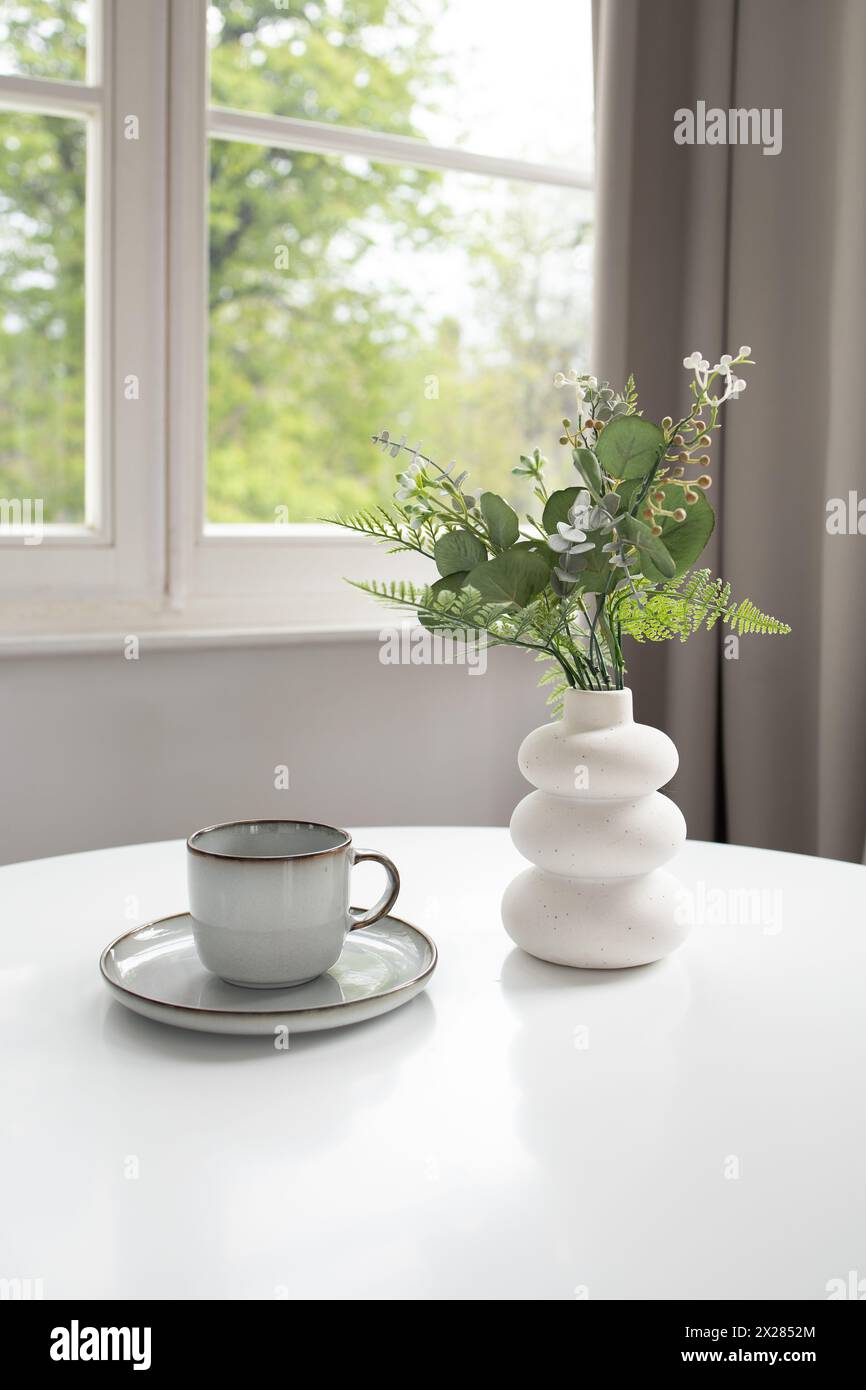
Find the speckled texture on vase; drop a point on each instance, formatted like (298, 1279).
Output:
(597, 830)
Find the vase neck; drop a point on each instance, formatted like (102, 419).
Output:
(585, 710)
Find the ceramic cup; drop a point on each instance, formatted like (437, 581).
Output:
(269, 899)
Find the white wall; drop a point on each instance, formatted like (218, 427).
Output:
(99, 751)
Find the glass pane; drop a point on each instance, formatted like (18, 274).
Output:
(480, 74)
(42, 189)
(347, 297)
(44, 38)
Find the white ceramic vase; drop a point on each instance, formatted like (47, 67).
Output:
(597, 830)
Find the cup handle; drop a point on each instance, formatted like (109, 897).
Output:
(360, 918)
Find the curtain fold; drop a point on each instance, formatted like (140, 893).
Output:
(711, 247)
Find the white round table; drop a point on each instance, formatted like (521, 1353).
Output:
(520, 1131)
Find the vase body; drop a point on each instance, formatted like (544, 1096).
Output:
(597, 831)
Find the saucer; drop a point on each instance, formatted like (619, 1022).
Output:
(155, 971)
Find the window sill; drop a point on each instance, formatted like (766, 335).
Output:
(52, 629)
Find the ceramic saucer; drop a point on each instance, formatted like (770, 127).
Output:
(155, 971)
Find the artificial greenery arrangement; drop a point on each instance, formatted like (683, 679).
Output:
(608, 558)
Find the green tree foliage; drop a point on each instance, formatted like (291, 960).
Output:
(42, 179)
(342, 292)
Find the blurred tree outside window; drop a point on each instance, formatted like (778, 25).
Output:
(346, 293)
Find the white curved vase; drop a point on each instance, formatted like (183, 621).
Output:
(597, 831)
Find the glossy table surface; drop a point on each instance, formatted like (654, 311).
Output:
(693, 1128)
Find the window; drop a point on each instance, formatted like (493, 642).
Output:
(82, 329)
(43, 177)
(225, 269)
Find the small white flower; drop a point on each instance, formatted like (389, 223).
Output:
(724, 363)
(735, 385)
(744, 352)
(567, 379)
(700, 366)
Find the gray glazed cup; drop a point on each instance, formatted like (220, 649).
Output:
(269, 899)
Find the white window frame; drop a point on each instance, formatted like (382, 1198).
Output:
(147, 554)
(118, 552)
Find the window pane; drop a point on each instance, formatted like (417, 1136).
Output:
(348, 296)
(475, 73)
(44, 38)
(42, 189)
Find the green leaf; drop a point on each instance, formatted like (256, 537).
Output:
(626, 492)
(594, 576)
(629, 446)
(684, 540)
(652, 548)
(517, 577)
(458, 550)
(589, 468)
(539, 548)
(557, 507)
(450, 584)
(501, 519)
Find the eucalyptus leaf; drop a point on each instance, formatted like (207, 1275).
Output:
(651, 547)
(627, 493)
(458, 550)
(595, 572)
(589, 468)
(659, 557)
(501, 520)
(557, 507)
(518, 576)
(684, 540)
(539, 548)
(629, 446)
(450, 584)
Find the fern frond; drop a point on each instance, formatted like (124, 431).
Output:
(681, 606)
(445, 611)
(554, 676)
(397, 593)
(745, 617)
(381, 526)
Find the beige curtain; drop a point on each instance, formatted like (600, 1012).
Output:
(712, 247)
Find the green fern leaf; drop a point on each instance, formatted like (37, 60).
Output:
(678, 608)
